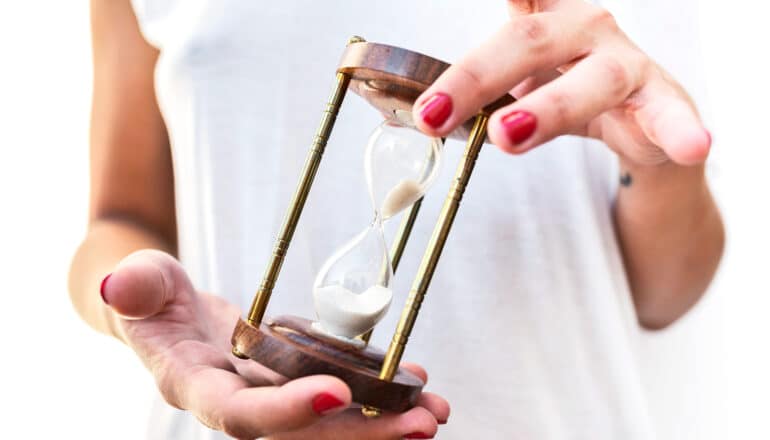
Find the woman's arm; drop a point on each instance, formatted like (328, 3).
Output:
(181, 335)
(132, 192)
(672, 238)
(574, 71)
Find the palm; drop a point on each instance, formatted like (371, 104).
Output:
(183, 336)
(192, 333)
(580, 74)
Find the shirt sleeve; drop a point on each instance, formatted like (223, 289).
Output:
(154, 17)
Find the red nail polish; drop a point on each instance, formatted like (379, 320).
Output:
(441, 422)
(436, 110)
(325, 402)
(418, 435)
(519, 126)
(101, 288)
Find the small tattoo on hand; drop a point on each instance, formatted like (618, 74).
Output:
(625, 179)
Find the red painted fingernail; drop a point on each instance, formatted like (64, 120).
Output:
(436, 110)
(325, 402)
(441, 422)
(418, 435)
(102, 286)
(519, 126)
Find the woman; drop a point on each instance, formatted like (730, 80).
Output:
(551, 270)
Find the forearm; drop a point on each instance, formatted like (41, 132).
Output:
(671, 235)
(107, 242)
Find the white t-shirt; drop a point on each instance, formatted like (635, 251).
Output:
(528, 328)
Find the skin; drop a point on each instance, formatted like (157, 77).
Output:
(180, 334)
(581, 76)
(576, 72)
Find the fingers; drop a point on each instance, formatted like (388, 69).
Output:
(223, 401)
(436, 405)
(565, 104)
(294, 405)
(533, 83)
(143, 283)
(671, 123)
(310, 407)
(526, 46)
(416, 370)
(351, 424)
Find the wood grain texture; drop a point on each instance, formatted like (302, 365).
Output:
(391, 79)
(289, 346)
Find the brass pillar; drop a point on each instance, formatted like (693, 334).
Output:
(258, 307)
(435, 246)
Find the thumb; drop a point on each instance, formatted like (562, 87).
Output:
(671, 123)
(145, 282)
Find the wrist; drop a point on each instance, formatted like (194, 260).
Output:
(662, 194)
(667, 176)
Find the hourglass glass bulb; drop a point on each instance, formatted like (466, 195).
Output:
(351, 292)
(401, 163)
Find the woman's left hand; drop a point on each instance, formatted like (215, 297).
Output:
(573, 71)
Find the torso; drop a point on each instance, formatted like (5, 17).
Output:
(527, 329)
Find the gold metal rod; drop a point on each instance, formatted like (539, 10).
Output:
(405, 228)
(402, 236)
(433, 251)
(258, 307)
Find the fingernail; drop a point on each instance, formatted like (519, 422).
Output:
(441, 422)
(325, 402)
(436, 110)
(102, 286)
(519, 126)
(418, 435)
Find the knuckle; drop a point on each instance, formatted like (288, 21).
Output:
(474, 78)
(532, 30)
(601, 17)
(560, 104)
(617, 75)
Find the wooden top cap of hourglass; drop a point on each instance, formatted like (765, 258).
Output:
(391, 79)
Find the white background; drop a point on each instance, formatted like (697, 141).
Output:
(708, 376)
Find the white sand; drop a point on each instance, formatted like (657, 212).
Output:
(344, 313)
(400, 197)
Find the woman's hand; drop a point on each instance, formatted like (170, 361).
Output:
(574, 72)
(182, 336)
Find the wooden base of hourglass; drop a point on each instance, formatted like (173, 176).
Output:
(289, 346)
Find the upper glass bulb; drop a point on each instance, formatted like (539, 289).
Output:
(400, 163)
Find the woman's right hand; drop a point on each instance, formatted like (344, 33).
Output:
(183, 338)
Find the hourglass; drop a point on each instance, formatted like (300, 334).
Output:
(352, 290)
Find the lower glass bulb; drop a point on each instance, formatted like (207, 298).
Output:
(351, 293)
